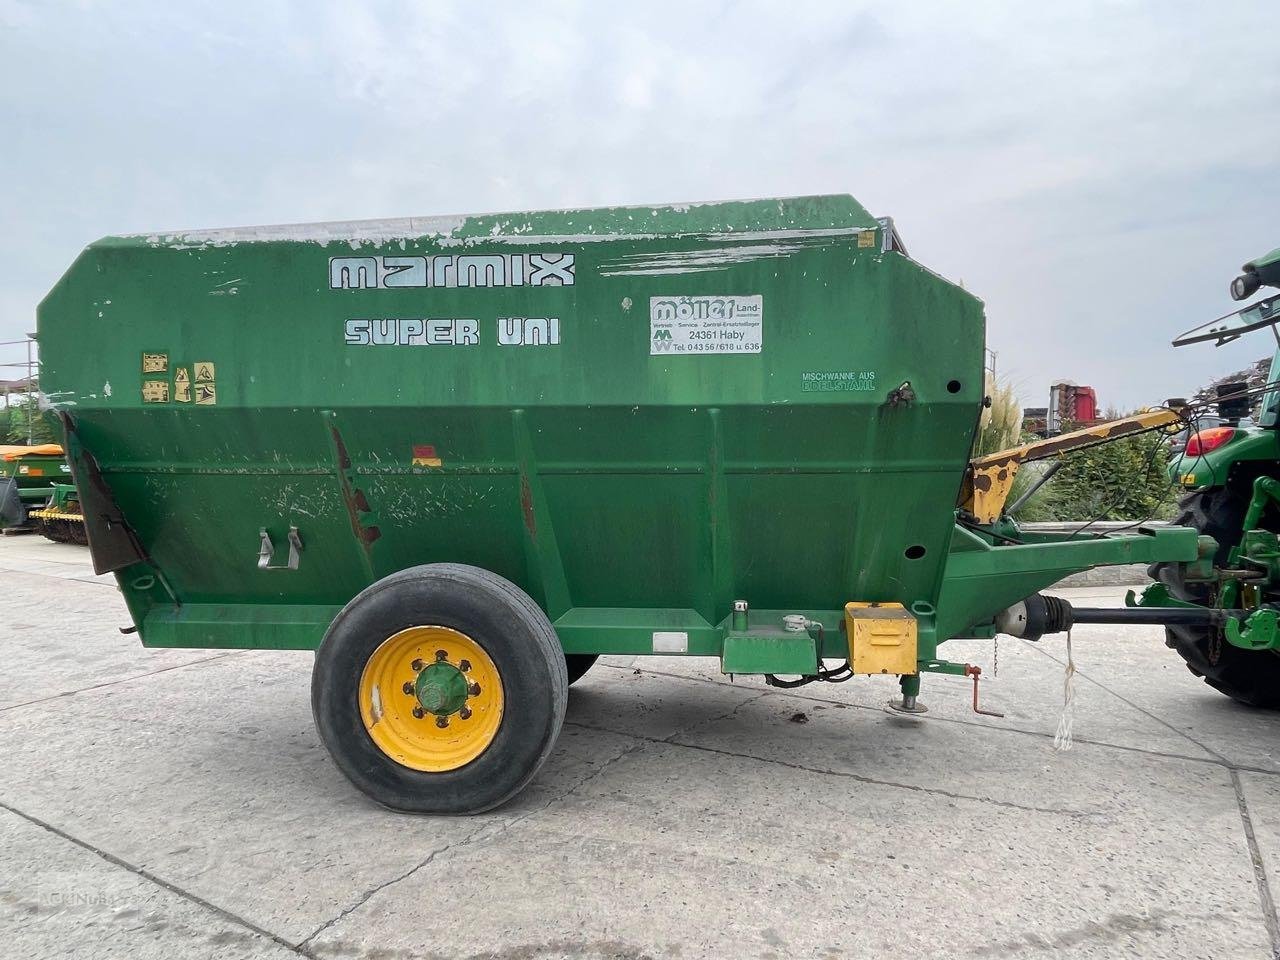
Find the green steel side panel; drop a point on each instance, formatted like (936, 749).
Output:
(747, 654)
(629, 631)
(530, 416)
(983, 579)
(243, 626)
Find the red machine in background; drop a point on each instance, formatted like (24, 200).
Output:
(1070, 406)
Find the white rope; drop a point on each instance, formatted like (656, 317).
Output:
(1062, 739)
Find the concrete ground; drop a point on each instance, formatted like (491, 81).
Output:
(178, 804)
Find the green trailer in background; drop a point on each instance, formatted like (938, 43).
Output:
(460, 458)
(27, 478)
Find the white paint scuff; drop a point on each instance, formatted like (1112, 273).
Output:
(514, 228)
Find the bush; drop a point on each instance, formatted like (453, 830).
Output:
(15, 419)
(1122, 480)
(1001, 424)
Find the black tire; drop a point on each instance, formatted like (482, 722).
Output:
(1250, 677)
(13, 513)
(577, 664)
(497, 615)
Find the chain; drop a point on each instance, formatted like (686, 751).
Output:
(995, 659)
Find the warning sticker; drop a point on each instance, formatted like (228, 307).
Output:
(204, 371)
(155, 391)
(866, 238)
(182, 384)
(155, 362)
(696, 325)
(206, 394)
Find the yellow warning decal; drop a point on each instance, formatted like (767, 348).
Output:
(182, 384)
(206, 394)
(155, 362)
(866, 238)
(204, 372)
(155, 391)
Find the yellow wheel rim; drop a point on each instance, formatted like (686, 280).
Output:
(431, 698)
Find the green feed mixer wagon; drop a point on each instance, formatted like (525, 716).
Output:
(460, 458)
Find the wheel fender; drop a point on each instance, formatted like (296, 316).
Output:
(1207, 471)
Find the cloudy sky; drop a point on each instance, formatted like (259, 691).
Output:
(1096, 172)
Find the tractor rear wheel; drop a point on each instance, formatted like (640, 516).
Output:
(440, 689)
(1251, 677)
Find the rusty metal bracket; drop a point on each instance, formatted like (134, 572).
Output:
(988, 480)
(113, 543)
(267, 549)
(970, 670)
(364, 529)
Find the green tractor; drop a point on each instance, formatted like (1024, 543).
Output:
(1231, 472)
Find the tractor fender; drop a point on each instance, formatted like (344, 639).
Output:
(1208, 471)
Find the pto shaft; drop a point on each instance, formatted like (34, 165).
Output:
(1037, 615)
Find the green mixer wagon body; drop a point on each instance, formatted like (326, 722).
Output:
(671, 427)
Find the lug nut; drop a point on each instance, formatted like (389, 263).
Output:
(465, 713)
(464, 665)
(441, 655)
(473, 690)
(419, 712)
(442, 722)
(417, 666)
(408, 687)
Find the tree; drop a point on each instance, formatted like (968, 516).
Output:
(22, 419)
(1121, 480)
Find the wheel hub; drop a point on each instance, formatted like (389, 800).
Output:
(431, 698)
(441, 689)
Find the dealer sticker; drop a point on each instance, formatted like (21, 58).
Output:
(692, 325)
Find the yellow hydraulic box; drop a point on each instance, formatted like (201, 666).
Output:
(882, 637)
